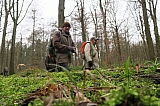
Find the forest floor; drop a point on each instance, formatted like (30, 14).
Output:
(103, 87)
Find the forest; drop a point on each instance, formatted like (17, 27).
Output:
(128, 48)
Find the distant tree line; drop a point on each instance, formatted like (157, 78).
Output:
(115, 44)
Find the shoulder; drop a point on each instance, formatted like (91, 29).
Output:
(88, 43)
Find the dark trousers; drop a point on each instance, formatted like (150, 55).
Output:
(65, 65)
(5, 73)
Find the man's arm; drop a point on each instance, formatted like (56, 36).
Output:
(58, 45)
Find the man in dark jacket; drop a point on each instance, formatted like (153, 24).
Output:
(6, 71)
(64, 46)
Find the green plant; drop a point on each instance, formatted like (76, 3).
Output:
(127, 74)
(153, 65)
(114, 85)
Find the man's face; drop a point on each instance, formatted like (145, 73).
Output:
(66, 29)
(94, 41)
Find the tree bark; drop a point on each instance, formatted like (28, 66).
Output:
(61, 17)
(147, 32)
(106, 40)
(7, 10)
(154, 19)
(118, 44)
(80, 5)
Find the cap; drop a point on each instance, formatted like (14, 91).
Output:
(94, 38)
(66, 24)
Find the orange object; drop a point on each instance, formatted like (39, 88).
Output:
(82, 47)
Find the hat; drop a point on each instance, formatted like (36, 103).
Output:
(94, 38)
(66, 24)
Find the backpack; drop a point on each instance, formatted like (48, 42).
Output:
(50, 63)
(82, 54)
(52, 50)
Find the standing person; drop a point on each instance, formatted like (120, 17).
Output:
(6, 71)
(91, 54)
(64, 46)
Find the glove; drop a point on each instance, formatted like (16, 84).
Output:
(90, 63)
(72, 49)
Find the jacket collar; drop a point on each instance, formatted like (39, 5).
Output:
(63, 33)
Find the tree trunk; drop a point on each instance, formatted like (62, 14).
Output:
(81, 17)
(4, 35)
(14, 16)
(12, 59)
(118, 44)
(61, 17)
(33, 38)
(154, 19)
(7, 54)
(106, 40)
(95, 21)
(147, 32)
(143, 38)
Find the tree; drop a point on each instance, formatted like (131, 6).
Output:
(80, 5)
(7, 9)
(115, 24)
(95, 18)
(15, 15)
(147, 31)
(106, 40)
(1, 10)
(136, 11)
(61, 13)
(152, 10)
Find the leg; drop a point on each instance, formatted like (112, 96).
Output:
(5, 73)
(65, 65)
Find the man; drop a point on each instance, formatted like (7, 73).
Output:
(91, 54)
(64, 46)
(6, 71)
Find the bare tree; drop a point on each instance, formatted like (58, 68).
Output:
(152, 10)
(106, 40)
(1, 10)
(147, 30)
(95, 18)
(7, 52)
(61, 13)
(7, 9)
(80, 5)
(33, 37)
(136, 11)
(15, 15)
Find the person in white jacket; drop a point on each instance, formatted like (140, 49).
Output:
(91, 54)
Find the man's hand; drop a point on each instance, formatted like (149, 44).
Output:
(72, 49)
(90, 63)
